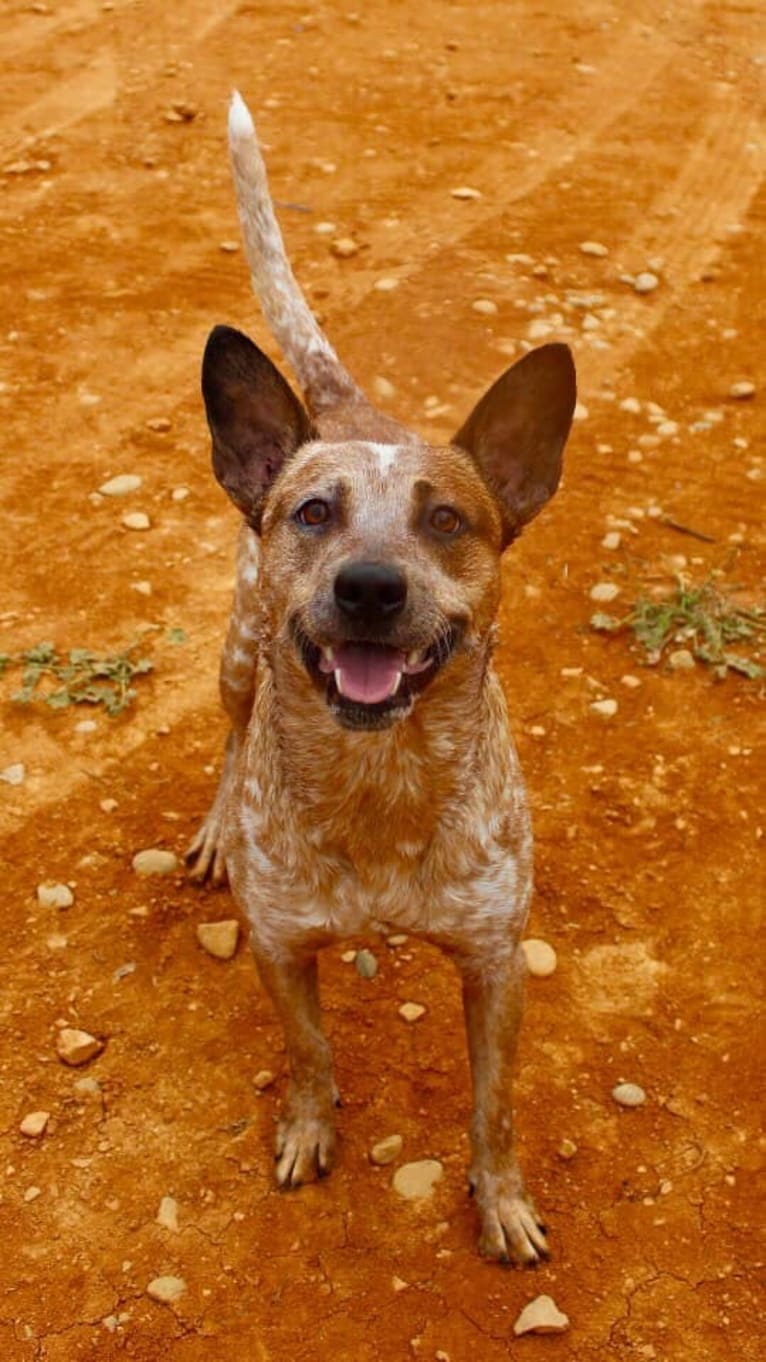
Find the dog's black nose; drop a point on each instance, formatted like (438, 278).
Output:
(369, 592)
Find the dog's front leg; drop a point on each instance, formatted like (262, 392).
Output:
(493, 1003)
(306, 1132)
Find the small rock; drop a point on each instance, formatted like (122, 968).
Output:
(386, 284)
(108, 805)
(324, 228)
(386, 1150)
(348, 957)
(581, 412)
(228, 247)
(541, 1316)
(631, 404)
(86, 726)
(89, 1087)
(179, 494)
(143, 588)
(593, 248)
(154, 861)
(411, 1012)
(383, 388)
(606, 708)
(567, 1149)
(181, 112)
(344, 247)
(540, 957)
(77, 1047)
(34, 1124)
(263, 1079)
(167, 1215)
(366, 964)
(121, 485)
(416, 1181)
(32, 1193)
(15, 774)
(219, 939)
(742, 390)
(612, 540)
(465, 192)
(681, 660)
(604, 591)
(632, 682)
(166, 1289)
(645, 282)
(628, 1095)
(136, 520)
(485, 307)
(400, 939)
(55, 895)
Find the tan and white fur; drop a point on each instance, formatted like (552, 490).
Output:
(370, 781)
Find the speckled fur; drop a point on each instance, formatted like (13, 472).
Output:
(423, 827)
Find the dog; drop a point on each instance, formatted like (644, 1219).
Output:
(370, 783)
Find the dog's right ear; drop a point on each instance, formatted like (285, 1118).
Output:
(255, 419)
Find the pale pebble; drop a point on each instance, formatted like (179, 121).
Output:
(263, 1079)
(540, 957)
(219, 939)
(136, 520)
(645, 282)
(54, 895)
(411, 1012)
(485, 307)
(464, 191)
(606, 708)
(154, 861)
(34, 1123)
(15, 774)
(166, 1289)
(167, 1215)
(385, 1151)
(593, 248)
(612, 540)
(76, 1047)
(742, 390)
(121, 485)
(416, 1181)
(541, 1316)
(604, 591)
(681, 660)
(628, 1095)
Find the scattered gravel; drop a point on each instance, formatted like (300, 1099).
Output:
(386, 1150)
(219, 939)
(742, 390)
(15, 774)
(540, 957)
(645, 282)
(77, 1047)
(604, 591)
(416, 1181)
(593, 248)
(628, 1095)
(136, 520)
(606, 708)
(366, 964)
(166, 1289)
(34, 1124)
(121, 485)
(154, 861)
(681, 660)
(55, 895)
(411, 1012)
(167, 1215)
(383, 388)
(541, 1316)
(465, 192)
(567, 1149)
(344, 247)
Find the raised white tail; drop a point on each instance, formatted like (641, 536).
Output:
(323, 378)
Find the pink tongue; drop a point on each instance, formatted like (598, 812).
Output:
(367, 674)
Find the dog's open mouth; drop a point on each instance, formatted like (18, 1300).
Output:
(370, 685)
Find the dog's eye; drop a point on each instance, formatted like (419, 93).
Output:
(313, 513)
(444, 520)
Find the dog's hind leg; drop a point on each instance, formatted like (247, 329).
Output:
(205, 856)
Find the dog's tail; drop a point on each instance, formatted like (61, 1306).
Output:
(323, 378)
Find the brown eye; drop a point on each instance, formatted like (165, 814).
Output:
(444, 520)
(313, 513)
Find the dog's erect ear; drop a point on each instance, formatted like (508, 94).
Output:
(517, 432)
(255, 419)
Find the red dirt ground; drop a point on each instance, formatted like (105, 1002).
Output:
(632, 124)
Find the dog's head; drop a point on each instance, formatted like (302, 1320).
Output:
(380, 562)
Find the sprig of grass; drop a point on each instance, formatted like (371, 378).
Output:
(80, 678)
(700, 618)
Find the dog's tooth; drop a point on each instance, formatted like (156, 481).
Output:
(338, 674)
(395, 686)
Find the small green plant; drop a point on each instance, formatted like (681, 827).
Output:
(701, 619)
(80, 678)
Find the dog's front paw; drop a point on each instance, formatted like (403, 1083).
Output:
(305, 1148)
(511, 1229)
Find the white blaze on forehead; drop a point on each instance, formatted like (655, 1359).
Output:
(385, 455)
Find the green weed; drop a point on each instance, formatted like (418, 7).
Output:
(700, 618)
(80, 678)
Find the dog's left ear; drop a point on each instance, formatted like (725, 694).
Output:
(255, 419)
(517, 432)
